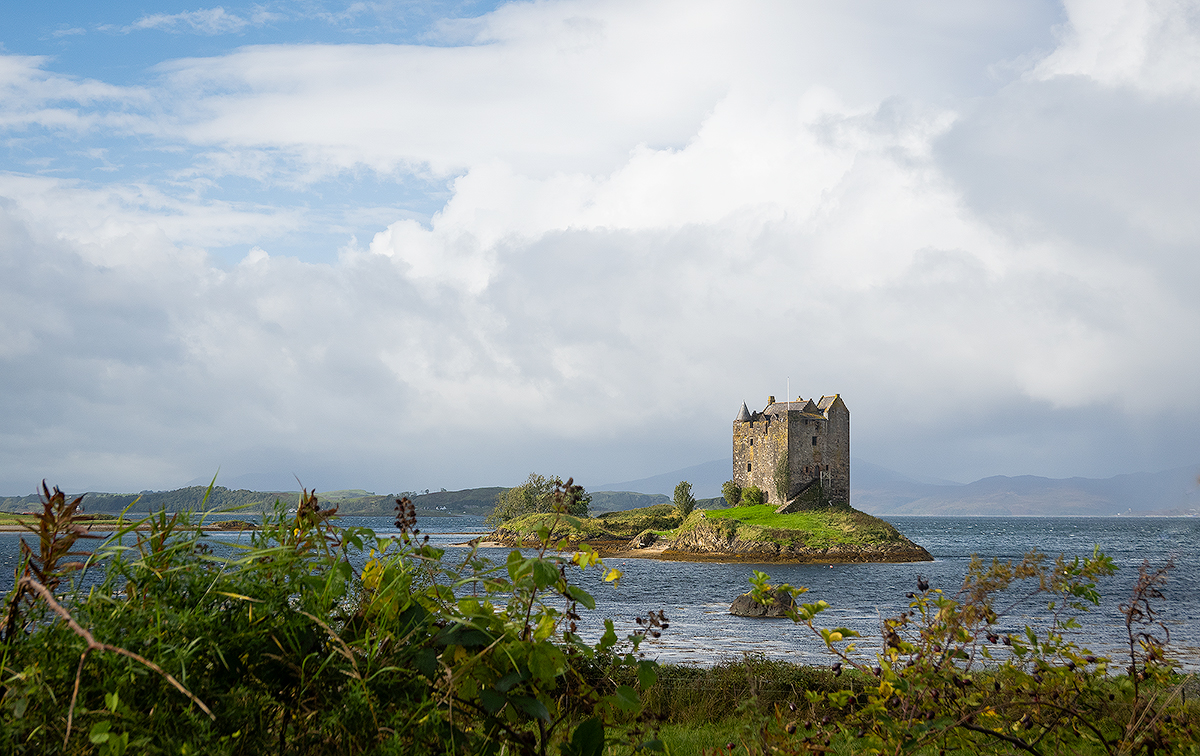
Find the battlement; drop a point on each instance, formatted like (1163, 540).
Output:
(797, 451)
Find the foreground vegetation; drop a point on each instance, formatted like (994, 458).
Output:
(285, 646)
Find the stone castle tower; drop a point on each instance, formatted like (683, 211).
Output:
(797, 452)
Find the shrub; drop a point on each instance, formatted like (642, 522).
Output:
(949, 680)
(752, 496)
(282, 645)
(732, 493)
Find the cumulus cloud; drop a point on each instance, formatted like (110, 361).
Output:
(653, 213)
(1151, 45)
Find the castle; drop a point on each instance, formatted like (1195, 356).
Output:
(797, 453)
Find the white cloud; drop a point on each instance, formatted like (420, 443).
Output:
(204, 21)
(33, 97)
(654, 212)
(1153, 45)
(560, 87)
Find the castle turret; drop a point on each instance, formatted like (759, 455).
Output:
(744, 415)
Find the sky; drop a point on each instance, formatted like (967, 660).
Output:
(408, 245)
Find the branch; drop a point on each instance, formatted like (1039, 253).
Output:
(1009, 738)
(95, 645)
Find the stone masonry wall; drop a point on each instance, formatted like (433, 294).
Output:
(758, 446)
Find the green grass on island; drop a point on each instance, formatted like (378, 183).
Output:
(608, 526)
(817, 529)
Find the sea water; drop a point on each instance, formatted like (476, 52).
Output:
(695, 596)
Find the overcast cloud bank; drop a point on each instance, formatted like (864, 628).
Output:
(977, 224)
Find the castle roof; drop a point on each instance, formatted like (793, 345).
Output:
(801, 405)
(815, 410)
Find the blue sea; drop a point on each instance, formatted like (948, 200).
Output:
(696, 596)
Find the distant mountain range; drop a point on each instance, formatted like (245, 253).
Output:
(880, 491)
(1170, 492)
(706, 480)
(873, 489)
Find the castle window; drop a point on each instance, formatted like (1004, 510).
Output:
(752, 442)
(747, 467)
(814, 440)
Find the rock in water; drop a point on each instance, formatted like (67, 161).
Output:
(643, 540)
(746, 606)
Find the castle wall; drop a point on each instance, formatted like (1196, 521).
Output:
(836, 452)
(758, 447)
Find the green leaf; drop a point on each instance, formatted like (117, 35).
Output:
(531, 706)
(587, 740)
(609, 639)
(491, 700)
(627, 698)
(545, 573)
(461, 635)
(647, 674)
(99, 732)
(518, 565)
(544, 660)
(655, 745)
(575, 593)
(426, 663)
(505, 684)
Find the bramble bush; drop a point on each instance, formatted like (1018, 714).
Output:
(283, 646)
(948, 681)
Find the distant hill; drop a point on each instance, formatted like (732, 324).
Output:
(191, 497)
(356, 502)
(1170, 491)
(469, 501)
(619, 501)
(706, 480)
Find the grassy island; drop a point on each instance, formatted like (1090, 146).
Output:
(748, 533)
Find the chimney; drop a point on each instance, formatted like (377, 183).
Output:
(770, 400)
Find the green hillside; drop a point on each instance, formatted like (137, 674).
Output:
(351, 502)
